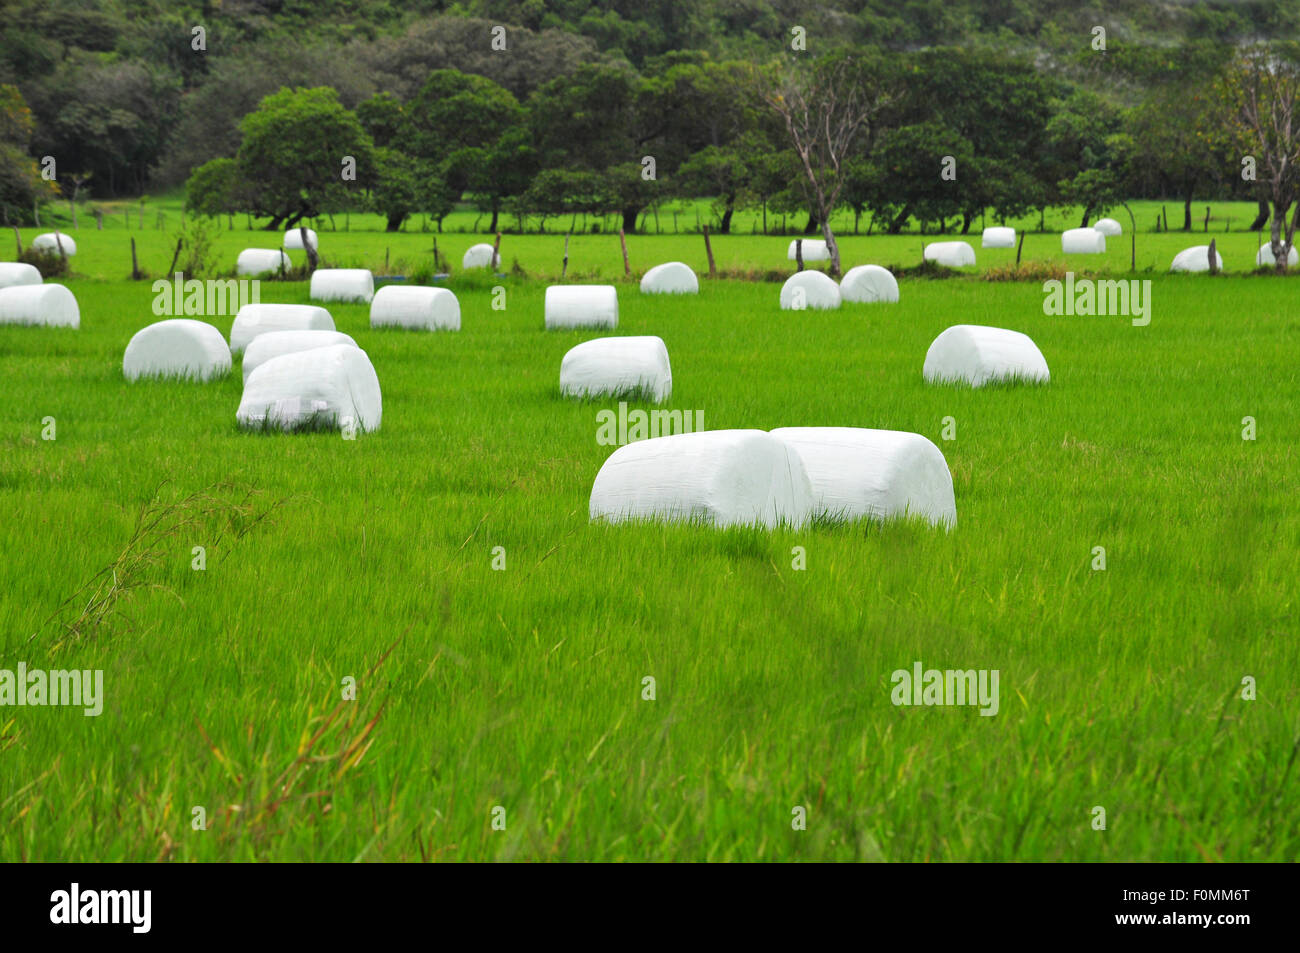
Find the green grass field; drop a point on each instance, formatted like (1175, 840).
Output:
(522, 688)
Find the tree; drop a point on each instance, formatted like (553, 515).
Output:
(297, 148)
(22, 189)
(1085, 153)
(1262, 90)
(212, 189)
(828, 110)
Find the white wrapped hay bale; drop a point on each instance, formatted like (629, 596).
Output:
(415, 306)
(327, 388)
(670, 278)
(1195, 259)
(999, 236)
(48, 305)
(950, 254)
(1264, 257)
(814, 249)
(1083, 241)
(177, 347)
(581, 306)
(869, 284)
(14, 273)
(878, 474)
(1109, 227)
(255, 319)
(722, 477)
(481, 255)
(810, 289)
(342, 284)
(50, 243)
(264, 347)
(293, 239)
(261, 261)
(976, 355)
(617, 366)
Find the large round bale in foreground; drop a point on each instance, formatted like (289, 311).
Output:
(950, 254)
(415, 306)
(178, 348)
(976, 355)
(617, 366)
(481, 255)
(869, 284)
(810, 289)
(1108, 226)
(52, 242)
(324, 388)
(878, 474)
(999, 236)
(1083, 241)
(293, 239)
(1195, 259)
(1264, 257)
(255, 319)
(814, 249)
(342, 284)
(261, 261)
(670, 278)
(13, 273)
(722, 477)
(264, 347)
(48, 305)
(581, 306)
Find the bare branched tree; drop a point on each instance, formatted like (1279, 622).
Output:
(829, 109)
(1263, 89)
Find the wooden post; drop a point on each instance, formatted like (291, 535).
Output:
(1019, 246)
(708, 250)
(622, 240)
(310, 248)
(386, 260)
(1207, 219)
(19, 239)
(135, 268)
(99, 220)
(496, 252)
(798, 254)
(58, 240)
(171, 270)
(564, 268)
(1214, 262)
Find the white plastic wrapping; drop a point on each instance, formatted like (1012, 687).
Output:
(44, 304)
(327, 387)
(1196, 258)
(264, 347)
(814, 249)
(617, 365)
(293, 239)
(255, 319)
(50, 242)
(1083, 241)
(950, 254)
(869, 284)
(672, 277)
(342, 284)
(1109, 227)
(810, 289)
(581, 306)
(481, 255)
(415, 306)
(999, 236)
(14, 273)
(879, 474)
(177, 347)
(1264, 257)
(722, 477)
(977, 355)
(261, 261)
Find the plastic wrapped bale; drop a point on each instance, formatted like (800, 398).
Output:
(617, 366)
(293, 239)
(255, 319)
(1264, 257)
(722, 477)
(481, 255)
(48, 305)
(878, 474)
(1109, 227)
(50, 243)
(1083, 241)
(1195, 259)
(342, 284)
(13, 273)
(177, 348)
(814, 249)
(581, 306)
(415, 306)
(324, 388)
(264, 347)
(261, 261)
(869, 284)
(950, 254)
(976, 355)
(999, 236)
(810, 289)
(670, 278)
